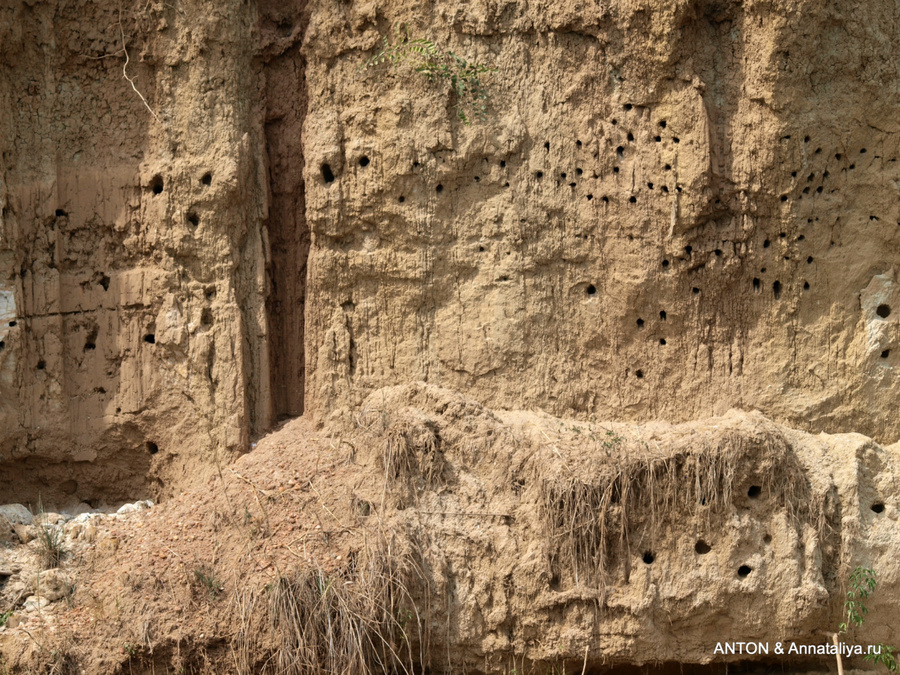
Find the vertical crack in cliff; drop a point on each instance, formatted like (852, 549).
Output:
(282, 26)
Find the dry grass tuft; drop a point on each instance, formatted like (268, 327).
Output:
(412, 454)
(356, 620)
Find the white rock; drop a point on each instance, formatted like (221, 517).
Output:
(137, 506)
(16, 514)
(35, 602)
(53, 584)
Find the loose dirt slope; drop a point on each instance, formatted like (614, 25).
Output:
(432, 532)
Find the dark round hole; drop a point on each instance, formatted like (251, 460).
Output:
(695, 290)
(156, 184)
(878, 507)
(150, 338)
(756, 284)
(702, 547)
(662, 341)
(364, 161)
(640, 323)
(327, 173)
(805, 285)
(60, 213)
(754, 492)
(440, 188)
(502, 164)
(89, 346)
(639, 374)
(632, 199)
(767, 539)
(809, 260)
(744, 571)
(2, 345)
(718, 252)
(665, 263)
(886, 353)
(628, 106)
(152, 447)
(401, 199)
(13, 324)
(591, 289)
(688, 249)
(662, 315)
(207, 178)
(630, 136)
(766, 243)
(193, 218)
(41, 364)
(648, 557)
(884, 311)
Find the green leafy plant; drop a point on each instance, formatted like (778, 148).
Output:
(464, 77)
(206, 578)
(863, 582)
(4, 617)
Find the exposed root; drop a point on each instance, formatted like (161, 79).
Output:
(592, 512)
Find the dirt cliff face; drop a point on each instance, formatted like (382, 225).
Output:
(677, 224)
(134, 247)
(672, 209)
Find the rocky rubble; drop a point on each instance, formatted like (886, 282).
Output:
(64, 538)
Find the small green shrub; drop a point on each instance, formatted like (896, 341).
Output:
(205, 577)
(863, 582)
(463, 76)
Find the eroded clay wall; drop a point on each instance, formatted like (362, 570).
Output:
(672, 209)
(132, 248)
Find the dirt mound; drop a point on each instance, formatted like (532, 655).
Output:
(431, 532)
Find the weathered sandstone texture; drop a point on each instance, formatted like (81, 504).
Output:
(135, 245)
(673, 209)
(654, 293)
